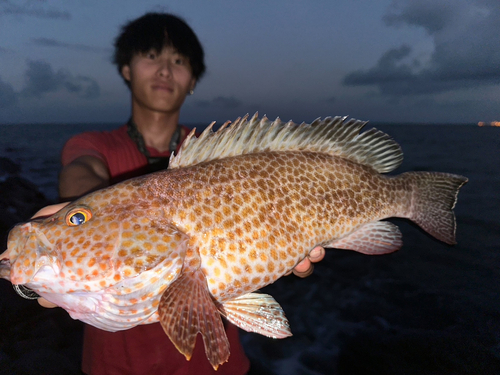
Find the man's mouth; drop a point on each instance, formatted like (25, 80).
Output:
(162, 87)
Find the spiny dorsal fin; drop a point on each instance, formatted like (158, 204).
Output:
(333, 136)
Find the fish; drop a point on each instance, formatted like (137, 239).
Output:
(237, 209)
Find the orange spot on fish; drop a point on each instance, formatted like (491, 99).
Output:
(161, 248)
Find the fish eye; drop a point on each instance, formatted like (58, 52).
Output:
(78, 216)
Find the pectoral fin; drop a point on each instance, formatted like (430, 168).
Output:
(258, 313)
(186, 309)
(380, 237)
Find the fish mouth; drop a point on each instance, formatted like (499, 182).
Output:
(5, 268)
(25, 292)
(20, 289)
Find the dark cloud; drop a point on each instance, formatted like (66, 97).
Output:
(466, 37)
(41, 78)
(433, 15)
(32, 8)
(47, 42)
(7, 95)
(223, 102)
(90, 88)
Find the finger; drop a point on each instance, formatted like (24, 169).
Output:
(43, 302)
(49, 210)
(317, 254)
(304, 268)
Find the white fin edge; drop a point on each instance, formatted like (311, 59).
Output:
(332, 135)
(259, 313)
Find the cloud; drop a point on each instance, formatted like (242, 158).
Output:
(433, 15)
(32, 8)
(47, 42)
(8, 97)
(223, 102)
(466, 36)
(41, 79)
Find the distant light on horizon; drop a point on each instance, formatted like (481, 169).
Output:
(492, 123)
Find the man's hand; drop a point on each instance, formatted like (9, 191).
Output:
(306, 266)
(47, 211)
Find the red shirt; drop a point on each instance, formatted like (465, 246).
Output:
(145, 349)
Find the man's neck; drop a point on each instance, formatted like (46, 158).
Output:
(156, 128)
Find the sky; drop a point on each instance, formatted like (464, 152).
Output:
(432, 61)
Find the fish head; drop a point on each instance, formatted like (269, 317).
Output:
(74, 245)
(91, 244)
(103, 253)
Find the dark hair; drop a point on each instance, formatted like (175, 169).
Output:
(155, 31)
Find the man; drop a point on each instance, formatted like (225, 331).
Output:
(161, 60)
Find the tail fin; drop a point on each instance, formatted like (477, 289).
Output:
(433, 198)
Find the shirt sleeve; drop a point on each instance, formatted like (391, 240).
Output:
(85, 144)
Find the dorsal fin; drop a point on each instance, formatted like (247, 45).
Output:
(333, 136)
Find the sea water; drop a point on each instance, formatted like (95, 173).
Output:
(428, 308)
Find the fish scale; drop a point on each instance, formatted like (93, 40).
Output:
(238, 209)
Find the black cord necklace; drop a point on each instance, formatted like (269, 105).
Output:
(154, 163)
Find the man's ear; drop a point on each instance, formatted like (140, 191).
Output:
(193, 84)
(126, 72)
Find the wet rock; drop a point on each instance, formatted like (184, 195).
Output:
(8, 167)
(33, 340)
(19, 200)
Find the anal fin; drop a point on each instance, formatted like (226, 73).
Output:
(380, 237)
(260, 313)
(186, 309)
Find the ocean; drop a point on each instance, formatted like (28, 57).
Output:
(428, 308)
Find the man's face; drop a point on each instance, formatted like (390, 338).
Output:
(159, 81)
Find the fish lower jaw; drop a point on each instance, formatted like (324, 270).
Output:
(78, 305)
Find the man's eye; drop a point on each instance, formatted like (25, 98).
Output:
(179, 61)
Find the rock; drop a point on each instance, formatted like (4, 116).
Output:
(19, 200)
(8, 167)
(33, 340)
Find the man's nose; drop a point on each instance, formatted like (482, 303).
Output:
(165, 68)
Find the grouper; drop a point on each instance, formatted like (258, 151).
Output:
(236, 210)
